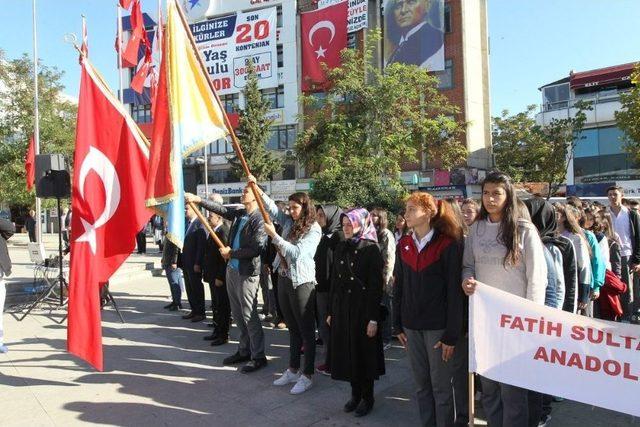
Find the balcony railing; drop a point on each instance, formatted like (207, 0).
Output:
(596, 98)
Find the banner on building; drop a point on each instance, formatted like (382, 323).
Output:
(357, 15)
(227, 44)
(414, 33)
(515, 341)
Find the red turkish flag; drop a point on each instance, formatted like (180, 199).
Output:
(30, 164)
(108, 204)
(125, 4)
(138, 36)
(324, 35)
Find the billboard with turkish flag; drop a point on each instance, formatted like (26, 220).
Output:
(324, 35)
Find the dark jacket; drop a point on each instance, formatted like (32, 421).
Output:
(30, 224)
(354, 300)
(331, 235)
(170, 254)
(193, 247)
(253, 239)
(634, 222)
(6, 231)
(427, 291)
(419, 47)
(215, 266)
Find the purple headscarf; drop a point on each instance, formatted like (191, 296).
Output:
(361, 217)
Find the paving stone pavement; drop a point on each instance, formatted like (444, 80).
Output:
(159, 371)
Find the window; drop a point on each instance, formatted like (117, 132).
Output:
(230, 102)
(141, 113)
(280, 51)
(221, 176)
(275, 97)
(446, 76)
(221, 146)
(599, 156)
(289, 172)
(352, 40)
(279, 16)
(282, 137)
(587, 144)
(555, 97)
(447, 18)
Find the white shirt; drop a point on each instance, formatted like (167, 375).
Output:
(421, 243)
(622, 226)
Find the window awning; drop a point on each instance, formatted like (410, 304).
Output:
(602, 76)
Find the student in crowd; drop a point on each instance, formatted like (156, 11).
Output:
(297, 282)
(387, 243)
(598, 266)
(569, 227)
(604, 226)
(626, 224)
(328, 217)
(247, 241)
(400, 228)
(354, 310)
(470, 210)
(506, 252)
(169, 263)
(6, 231)
(428, 303)
(214, 272)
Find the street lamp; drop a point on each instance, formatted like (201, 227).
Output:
(203, 161)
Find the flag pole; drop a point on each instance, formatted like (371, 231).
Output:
(119, 53)
(472, 401)
(234, 138)
(36, 118)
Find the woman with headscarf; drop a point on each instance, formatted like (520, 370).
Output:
(328, 217)
(354, 310)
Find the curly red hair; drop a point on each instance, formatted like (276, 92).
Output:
(443, 218)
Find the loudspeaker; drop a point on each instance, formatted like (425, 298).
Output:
(52, 176)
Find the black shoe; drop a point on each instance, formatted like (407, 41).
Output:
(168, 306)
(235, 358)
(197, 318)
(352, 404)
(211, 337)
(189, 315)
(219, 341)
(364, 408)
(254, 365)
(175, 307)
(211, 325)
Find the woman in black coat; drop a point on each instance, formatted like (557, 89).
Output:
(354, 310)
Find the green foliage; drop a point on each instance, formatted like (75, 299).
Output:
(253, 133)
(529, 152)
(628, 118)
(368, 123)
(57, 123)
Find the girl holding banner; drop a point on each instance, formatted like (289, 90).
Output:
(504, 251)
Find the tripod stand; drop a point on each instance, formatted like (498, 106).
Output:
(60, 283)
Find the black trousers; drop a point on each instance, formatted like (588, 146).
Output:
(299, 306)
(221, 311)
(195, 290)
(141, 241)
(362, 389)
(32, 235)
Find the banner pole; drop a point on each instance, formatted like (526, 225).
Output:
(234, 138)
(206, 225)
(472, 401)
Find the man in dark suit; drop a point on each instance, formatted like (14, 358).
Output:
(30, 225)
(192, 258)
(417, 41)
(214, 272)
(247, 241)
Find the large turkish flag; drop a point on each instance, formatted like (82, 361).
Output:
(108, 205)
(324, 35)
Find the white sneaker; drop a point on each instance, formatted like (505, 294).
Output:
(287, 377)
(303, 384)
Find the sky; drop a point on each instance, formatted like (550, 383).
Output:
(532, 42)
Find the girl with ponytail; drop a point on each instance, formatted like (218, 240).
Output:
(428, 302)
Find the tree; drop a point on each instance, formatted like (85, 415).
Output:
(529, 152)
(57, 122)
(368, 123)
(628, 118)
(254, 129)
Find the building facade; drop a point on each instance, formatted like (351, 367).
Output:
(598, 159)
(464, 80)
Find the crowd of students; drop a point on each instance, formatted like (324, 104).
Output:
(343, 275)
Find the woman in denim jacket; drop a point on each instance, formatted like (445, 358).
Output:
(296, 282)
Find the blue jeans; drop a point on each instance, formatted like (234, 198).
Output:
(173, 277)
